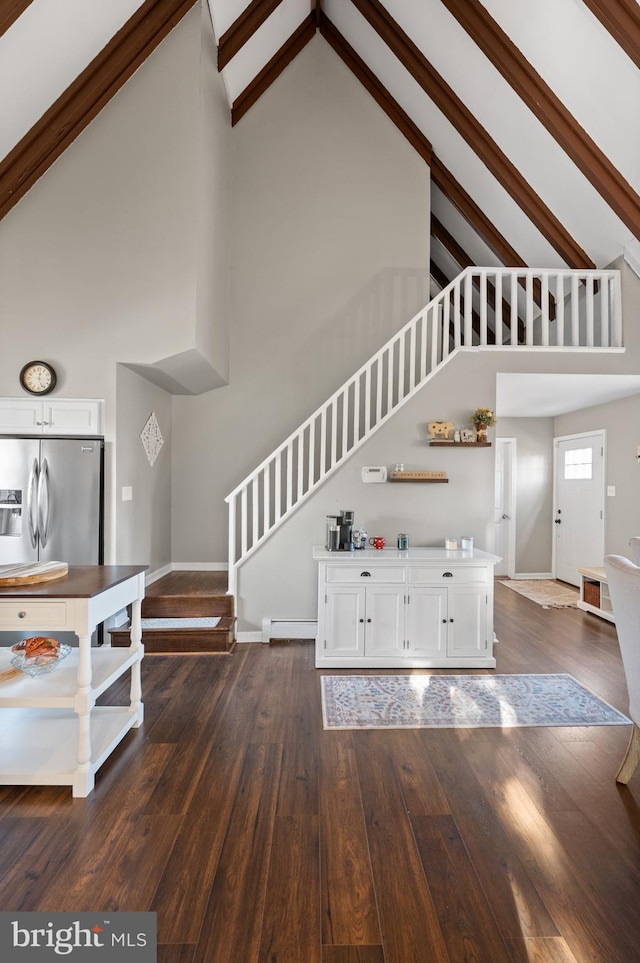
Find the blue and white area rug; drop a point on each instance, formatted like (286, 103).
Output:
(461, 701)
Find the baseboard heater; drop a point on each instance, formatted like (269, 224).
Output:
(288, 629)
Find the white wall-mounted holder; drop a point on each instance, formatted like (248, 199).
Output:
(376, 475)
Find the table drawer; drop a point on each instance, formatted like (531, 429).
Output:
(459, 573)
(21, 615)
(365, 573)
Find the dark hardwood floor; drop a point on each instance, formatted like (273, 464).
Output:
(257, 837)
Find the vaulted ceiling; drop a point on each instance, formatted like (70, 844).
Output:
(527, 113)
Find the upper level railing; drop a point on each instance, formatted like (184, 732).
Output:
(483, 307)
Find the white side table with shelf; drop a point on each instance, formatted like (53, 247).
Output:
(53, 734)
(594, 593)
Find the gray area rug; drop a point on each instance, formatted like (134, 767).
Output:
(420, 701)
(546, 592)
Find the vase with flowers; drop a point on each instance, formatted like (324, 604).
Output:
(481, 419)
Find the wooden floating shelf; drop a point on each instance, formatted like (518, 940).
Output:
(437, 477)
(423, 481)
(460, 444)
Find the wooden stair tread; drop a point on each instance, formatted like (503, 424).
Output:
(185, 604)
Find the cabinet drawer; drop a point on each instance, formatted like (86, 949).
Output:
(436, 576)
(49, 613)
(354, 573)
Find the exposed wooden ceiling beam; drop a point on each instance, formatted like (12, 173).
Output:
(272, 70)
(380, 94)
(473, 133)
(622, 19)
(10, 10)
(463, 260)
(86, 97)
(242, 29)
(549, 110)
(464, 203)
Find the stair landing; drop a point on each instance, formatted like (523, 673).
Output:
(177, 615)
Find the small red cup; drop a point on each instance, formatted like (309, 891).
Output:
(377, 541)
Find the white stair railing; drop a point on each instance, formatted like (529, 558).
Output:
(482, 307)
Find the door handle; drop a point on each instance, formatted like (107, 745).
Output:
(44, 507)
(32, 503)
(557, 521)
(506, 516)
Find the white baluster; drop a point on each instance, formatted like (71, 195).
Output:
(433, 315)
(266, 498)
(311, 462)
(457, 333)
(616, 311)
(243, 522)
(367, 399)
(412, 357)
(560, 310)
(277, 488)
(529, 308)
(483, 307)
(514, 310)
(255, 511)
(589, 306)
(300, 469)
(575, 312)
(401, 369)
(498, 307)
(544, 320)
(604, 312)
(323, 443)
(446, 316)
(232, 545)
(468, 309)
(289, 478)
(356, 410)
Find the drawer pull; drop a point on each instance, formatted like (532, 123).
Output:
(365, 574)
(447, 574)
(362, 620)
(22, 615)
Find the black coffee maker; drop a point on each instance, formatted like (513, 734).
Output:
(345, 521)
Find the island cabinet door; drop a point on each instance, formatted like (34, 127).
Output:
(426, 622)
(467, 621)
(384, 620)
(344, 621)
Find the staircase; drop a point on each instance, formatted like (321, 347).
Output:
(482, 309)
(185, 612)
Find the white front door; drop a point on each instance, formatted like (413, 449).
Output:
(504, 506)
(579, 504)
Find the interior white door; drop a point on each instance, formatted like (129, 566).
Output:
(579, 505)
(504, 506)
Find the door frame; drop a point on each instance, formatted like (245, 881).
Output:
(510, 450)
(575, 437)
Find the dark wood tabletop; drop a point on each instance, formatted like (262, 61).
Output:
(81, 581)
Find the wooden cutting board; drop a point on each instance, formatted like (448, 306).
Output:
(31, 572)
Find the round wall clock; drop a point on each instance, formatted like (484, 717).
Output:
(38, 378)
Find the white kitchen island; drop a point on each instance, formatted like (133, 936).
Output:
(53, 733)
(421, 608)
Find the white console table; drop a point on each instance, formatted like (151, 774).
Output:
(594, 593)
(51, 731)
(421, 608)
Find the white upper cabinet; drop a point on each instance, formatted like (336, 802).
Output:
(50, 416)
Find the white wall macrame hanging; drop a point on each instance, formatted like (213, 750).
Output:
(151, 438)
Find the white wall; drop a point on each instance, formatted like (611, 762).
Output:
(143, 530)
(330, 248)
(621, 421)
(534, 490)
(100, 261)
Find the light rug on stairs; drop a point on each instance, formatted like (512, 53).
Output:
(420, 701)
(546, 592)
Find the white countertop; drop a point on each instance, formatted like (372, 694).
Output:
(392, 554)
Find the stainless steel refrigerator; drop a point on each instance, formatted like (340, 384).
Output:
(51, 501)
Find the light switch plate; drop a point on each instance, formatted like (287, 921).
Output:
(127, 493)
(611, 490)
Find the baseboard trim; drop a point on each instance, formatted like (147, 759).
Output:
(158, 573)
(199, 567)
(288, 629)
(248, 636)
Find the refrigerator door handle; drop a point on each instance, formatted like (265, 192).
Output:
(32, 502)
(44, 506)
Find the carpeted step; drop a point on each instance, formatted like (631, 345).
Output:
(181, 634)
